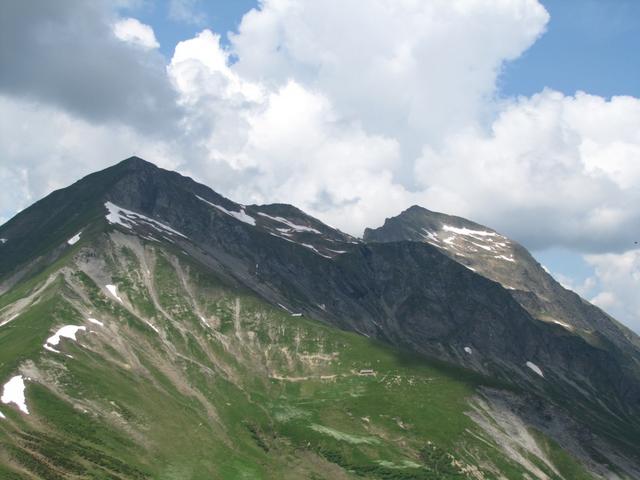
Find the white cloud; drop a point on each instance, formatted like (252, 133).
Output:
(65, 148)
(617, 278)
(285, 143)
(303, 152)
(200, 70)
(553, 170)
(133, 31)
(328, 108)
(411, 69)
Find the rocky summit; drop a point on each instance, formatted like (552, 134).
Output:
(151, 328)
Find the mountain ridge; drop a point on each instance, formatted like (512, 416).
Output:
(180, 201)
(531, 283)
(416, 296)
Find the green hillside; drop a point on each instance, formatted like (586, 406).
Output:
(192, 377)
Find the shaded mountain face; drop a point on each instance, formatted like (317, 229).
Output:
(505, 261)
(427, 285)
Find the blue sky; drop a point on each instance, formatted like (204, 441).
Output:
(220, 16)
(590, 45)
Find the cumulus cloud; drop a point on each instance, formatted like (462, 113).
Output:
(133, 31)
(616, 284)
(553, 170)
(331, 107)
(414, 70)
(284, 143)
(45, 148)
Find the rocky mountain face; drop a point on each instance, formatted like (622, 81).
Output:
(503, 260)
(498, 258)
(232, 308)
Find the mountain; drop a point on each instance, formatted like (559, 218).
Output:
(151, 328)
(508, 263)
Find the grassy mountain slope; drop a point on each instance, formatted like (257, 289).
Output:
(191, 376)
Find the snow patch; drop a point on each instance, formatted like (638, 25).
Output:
(484, 247)
(68, 331)
(430, 236)
(562, 324)
(292, 226)
(50, 348)
(73, 240)
(468, 350)
(2, 415)
(13, 392)
(113, 290)
(315, 250)
(467, 231)
(282, 237)
(535, 368)
(470, 240)
(97, 322)
(450, 241)
(3, 241)
(241, 215)
(306, 245)
(284, 308)
(126, 218)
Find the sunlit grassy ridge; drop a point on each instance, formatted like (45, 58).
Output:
(192, 377)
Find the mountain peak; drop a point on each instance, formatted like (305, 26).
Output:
(503, 260)
(415, 208)
(136, 162)
(415, 223)
(144, 196)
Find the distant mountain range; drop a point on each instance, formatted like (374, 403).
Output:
(151, 328)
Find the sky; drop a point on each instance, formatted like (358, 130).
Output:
(522, 115)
